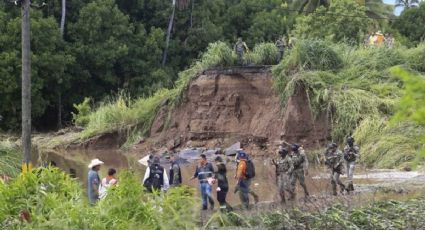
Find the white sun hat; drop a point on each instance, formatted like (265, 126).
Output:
(95, 162)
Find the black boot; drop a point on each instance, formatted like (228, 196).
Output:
(334, 189)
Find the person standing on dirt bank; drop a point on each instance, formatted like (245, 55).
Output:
(240, 48)
(300, 162)
(93, 180)
(222, 184)
(155, 177)
(204, 173)
(175, 172)
(284, 167)
(281, 45)
(351, 153)
(334, 160)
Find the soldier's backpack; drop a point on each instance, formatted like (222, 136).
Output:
(250, 169)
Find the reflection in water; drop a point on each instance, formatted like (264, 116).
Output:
(318, 182)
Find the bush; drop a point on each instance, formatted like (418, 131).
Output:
(54, 201)
(81, 118)
(416, 58)
(312, 55)
(263, 54)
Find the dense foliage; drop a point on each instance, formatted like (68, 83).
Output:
(114, 45)
(356, 90)
(52, 200)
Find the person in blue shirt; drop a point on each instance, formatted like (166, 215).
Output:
(204, 172)
(93, 180)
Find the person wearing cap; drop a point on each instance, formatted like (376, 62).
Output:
(300, 162)
(241, 153)
(155, 176)
(93, 180)
(204, 172)
(335, 162)
(284, 168)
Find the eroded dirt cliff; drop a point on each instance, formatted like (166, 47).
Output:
(222, 106)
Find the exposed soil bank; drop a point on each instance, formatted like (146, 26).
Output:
(222, 106)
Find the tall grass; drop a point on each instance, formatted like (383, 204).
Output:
(54, 201)
(353, 87)
(10, 159)
(263, 54)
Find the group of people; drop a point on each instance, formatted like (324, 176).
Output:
(291, 166)
(240, 48)
(379, 39)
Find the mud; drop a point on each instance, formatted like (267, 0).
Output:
(318, 182)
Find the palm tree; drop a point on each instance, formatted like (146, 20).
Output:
(377, 9)
(406, 3)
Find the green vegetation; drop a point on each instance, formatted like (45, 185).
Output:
(10, 159)
(54, 201)
(325, 23)
(378, 215)
(357, 91)
(111, 46)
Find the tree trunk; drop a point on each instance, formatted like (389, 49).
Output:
(62, 31)
(59, 125)
(167, 41)
(191, 13)
(26, 86)
(62, 26)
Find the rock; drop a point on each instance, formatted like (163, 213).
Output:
(231, 151)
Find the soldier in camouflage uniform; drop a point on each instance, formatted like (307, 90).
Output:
(335, 162)
(240, 48)
(351, 153)
(281, 45)
(284, 168)
(300, 162)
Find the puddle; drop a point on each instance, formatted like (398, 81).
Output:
(263, 184)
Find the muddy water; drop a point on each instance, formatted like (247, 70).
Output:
(263, 184)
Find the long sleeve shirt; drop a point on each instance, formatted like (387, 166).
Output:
(166, 184)
(204, 172)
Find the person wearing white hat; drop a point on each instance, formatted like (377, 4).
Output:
(93, 180)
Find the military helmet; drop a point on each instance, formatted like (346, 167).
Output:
(283, 151)
(295, 147)
(350, 140)
(332, 145)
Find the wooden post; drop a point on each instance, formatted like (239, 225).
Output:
(26, 87)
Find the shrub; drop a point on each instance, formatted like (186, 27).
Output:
(263, 54)
(416, 58)
(81, 118)
(54, 201)
(312, 55)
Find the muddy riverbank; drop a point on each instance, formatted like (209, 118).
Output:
(375, 182)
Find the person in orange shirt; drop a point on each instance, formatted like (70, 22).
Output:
(243, 183)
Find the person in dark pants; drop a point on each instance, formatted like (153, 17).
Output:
(222, 184)
(175, 172)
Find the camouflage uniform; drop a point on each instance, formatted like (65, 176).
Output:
(280, 44)
(284, 170)
(240, 47)
(335, 162)
(350, 156)
(300, 162)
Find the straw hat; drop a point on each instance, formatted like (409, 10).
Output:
(95, 162)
